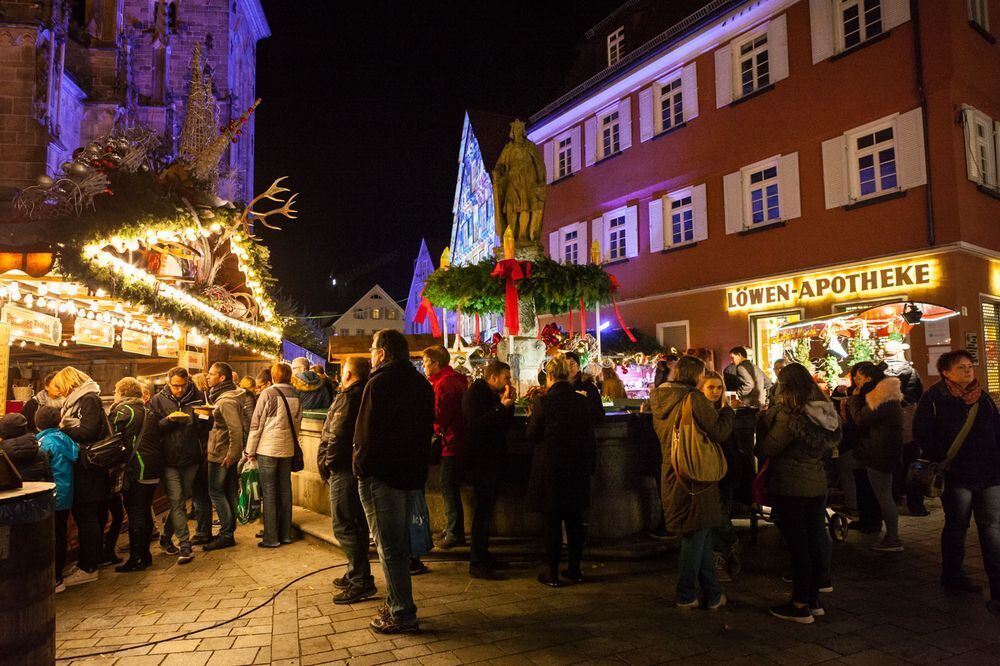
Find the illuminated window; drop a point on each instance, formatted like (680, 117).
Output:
(565, 152)
(390, 314)
(617, 232)
(376, 313)
(610, 134)
(761, 194)
(681, 229)
(860, 20)
(616, 46)
(753, 66)
(671, 107)
(979, 14)
(874, 162)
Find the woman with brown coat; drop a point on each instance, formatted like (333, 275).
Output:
(690, 509)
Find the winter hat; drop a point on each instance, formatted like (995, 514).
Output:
(13, 425)
(47, 417)
(893, 347)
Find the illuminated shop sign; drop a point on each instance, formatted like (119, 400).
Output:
(167, 347)
(137, 342)
(866, 282)
(94, 333)
(32, 326)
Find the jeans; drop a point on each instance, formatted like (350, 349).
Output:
(845, 470)
(115, 508)
(802, 524)
(451, 493)
(351, 527)
(484, 485)
(223, 488)
(178, 483)
(276, 498)
(138, 504)
(388, 511)
(576, 534)
(724, 536)
(61, 528)
(881, 483)
(202, 502)
(696, 569)
(961, 503)
(89, 532)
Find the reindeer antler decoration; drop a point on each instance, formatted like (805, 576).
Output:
(250, 215)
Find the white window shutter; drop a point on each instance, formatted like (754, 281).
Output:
(555, 245)
(689, 90)
(581, 233)
(625, 120)
(645, 114)
(821, 29)
(577, 159)
(656, 224)
(732, 185)
(549, 154)
(788, 187)
(590, 139)
(895, 12)
(632, 231)
(777, 48)
(700, 207)
(910, 149)
(723, 76)
(971, 162)
(835, 177)
(597, 233)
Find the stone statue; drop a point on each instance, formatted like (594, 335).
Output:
(519, 187)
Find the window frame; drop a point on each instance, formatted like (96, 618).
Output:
(979, 9)
(669, 199)
(991, 176)
(622, 214)
(854, 154)
(677, 76)
(663, 325)
(566, 138)
(738, 58)
(616, 131)
(748, 188)
(565, 244)
(616, 44)
(839, 29)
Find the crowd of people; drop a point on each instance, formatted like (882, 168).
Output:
(386, 424)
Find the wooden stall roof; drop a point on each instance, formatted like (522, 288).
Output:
(340, 347)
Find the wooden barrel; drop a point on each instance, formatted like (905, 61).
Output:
(27, 575)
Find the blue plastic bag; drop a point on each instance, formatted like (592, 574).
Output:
(420, 526)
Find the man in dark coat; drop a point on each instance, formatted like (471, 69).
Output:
(22, 449)
(391, 455)
(488, 408)
(334, 463)
(588, 388)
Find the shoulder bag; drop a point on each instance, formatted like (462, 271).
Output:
(929, 476)
(693, 455)
(298, 460)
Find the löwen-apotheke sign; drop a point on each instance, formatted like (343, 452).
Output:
(848, 284)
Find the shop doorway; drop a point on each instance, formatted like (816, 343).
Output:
(767, 348)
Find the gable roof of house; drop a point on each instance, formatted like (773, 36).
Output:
(377, 291)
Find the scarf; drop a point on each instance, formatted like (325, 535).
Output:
(215, 391)
(970, 395)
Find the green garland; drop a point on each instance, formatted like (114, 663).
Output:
(555, 287)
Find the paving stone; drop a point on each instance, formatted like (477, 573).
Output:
(234, 657)
(188, 659)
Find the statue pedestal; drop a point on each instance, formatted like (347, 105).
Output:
(525, 356)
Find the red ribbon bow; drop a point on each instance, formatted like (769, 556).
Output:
(427, 310)
(618, 314)
(512, 270)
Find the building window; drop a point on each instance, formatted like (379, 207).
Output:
(571, 247)
(981, 147)
(874, 162)
(390, 314)
(753, 68)
(681, 221)
(860, 20)
(360, 314)
(565, 151)
(617, 248)
(359, 331)
(616, 46)
(673, 335)
(761, 194)
(979, 14)
(345, 331)
(610, 134)
(671, 110)
(376, 313)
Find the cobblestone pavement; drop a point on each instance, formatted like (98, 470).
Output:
(885, 609)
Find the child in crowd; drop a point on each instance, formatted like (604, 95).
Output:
(62, 453)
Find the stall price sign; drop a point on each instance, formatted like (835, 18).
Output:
(167, 347)
(191, 360)
(137, 342)
(93, 333)
(32, 326)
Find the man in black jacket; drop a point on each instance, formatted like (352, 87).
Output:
(391, 456)
(334, 463)
(488, 408)
(585, 387)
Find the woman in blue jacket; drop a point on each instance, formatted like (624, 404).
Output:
(62, 452)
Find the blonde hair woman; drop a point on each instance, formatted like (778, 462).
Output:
(611, 384)
(83, 420)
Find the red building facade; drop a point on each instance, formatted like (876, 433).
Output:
(760, 162)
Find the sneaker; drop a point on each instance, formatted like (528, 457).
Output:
(888, 545)
(721, 572)
(354, 594)
(550, 580)
(718, 604)
(219, 543)
(133, 564)
(963, 584)
(80, 576)
(826, 586)
(417, 567)
(185, 555)
(341, 583)
(201, 539)
(816, 609)
(792, 613)
(448, 543)
(68, 570)
(168, 547)
(388, 625)
(689, 605)
(60, 587)
(383, 611)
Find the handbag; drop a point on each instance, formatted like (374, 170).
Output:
(929, 476)
(298, 460)
(693, 455)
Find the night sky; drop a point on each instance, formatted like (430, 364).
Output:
(362, 109)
